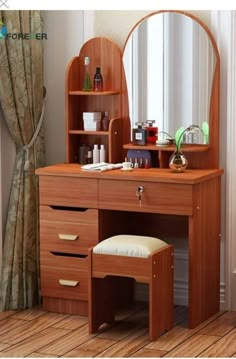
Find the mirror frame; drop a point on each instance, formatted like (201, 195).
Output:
(211, 155)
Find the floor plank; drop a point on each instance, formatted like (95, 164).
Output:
(225, 347)
(127, 346)
(34, 343)
(221, 326)
(179, 334)
(148, 353)
(192, 347)
(9, 324)
(91, 348)
(38, 333)
(68, 342)
(30, 328)
(71, 322)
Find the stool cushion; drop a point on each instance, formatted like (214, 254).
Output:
(129, 245)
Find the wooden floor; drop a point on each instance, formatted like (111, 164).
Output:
(36, 333)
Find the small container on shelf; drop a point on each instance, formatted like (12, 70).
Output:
(87, 80)
(151, 132)
(139, 134)
(105, 122)
(98, 80)
(92, 121)
(89, 158)
(102, 154)
(83, 152)
(96, 154)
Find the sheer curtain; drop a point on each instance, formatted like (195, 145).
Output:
(21, 98)
(224, 30)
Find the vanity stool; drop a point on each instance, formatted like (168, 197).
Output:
(145, 259)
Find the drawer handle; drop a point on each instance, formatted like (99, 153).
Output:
(68, 237)
(68, 283)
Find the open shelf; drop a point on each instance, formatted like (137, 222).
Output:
(93, 93)
(171, 148)
(82, 132)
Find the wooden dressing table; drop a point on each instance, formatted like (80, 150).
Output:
(78, 208)
(92, 206)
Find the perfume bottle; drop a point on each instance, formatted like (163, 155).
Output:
(139, 134)
(87, 79)
(98, 80)
(151, 132)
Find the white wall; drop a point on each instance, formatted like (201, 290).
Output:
(65, 37)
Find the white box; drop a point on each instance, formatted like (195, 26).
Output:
(92, 115)
(92, 125)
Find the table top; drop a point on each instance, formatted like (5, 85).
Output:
(190, 176)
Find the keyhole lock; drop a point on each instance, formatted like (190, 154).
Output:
(139, 192)
(140, 189)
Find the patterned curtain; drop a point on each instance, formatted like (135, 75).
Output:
(21, 99)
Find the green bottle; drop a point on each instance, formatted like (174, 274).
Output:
(87, 79)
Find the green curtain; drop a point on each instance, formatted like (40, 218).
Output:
(21, 99)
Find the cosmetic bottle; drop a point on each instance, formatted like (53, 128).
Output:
(151, 132)
(102, 154)
(87, 79)
(139, 134)
(105, 122)
(98, 80)
(83, 151)
(96, 154)
(89, 158)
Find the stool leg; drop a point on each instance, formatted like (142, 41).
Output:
(101, 308)
(161, 293)
(100, 300)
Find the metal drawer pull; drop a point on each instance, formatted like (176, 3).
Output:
(68, 283)
(68, 237)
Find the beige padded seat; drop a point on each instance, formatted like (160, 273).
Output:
(114, 263)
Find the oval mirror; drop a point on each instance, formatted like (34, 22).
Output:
(169, 62)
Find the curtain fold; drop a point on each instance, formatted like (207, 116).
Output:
(21, 99)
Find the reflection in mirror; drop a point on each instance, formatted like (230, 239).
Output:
(169, 65)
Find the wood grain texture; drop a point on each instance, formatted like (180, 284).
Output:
(29, 328)
(193, 346)
(68, 342)
(71, 193)
(128, 346)
(107, 55)
(90, 348)
(157, 175)
(155, 198)
(34, 342)
(192, 196)
(65, 306)
(204, 242)
(67, 336)
(223, 348)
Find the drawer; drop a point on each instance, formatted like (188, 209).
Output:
(70, 261)
(64, 281)
(170, 198)
(68, 191)
(68, 231)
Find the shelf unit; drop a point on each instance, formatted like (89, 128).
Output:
(107, 55)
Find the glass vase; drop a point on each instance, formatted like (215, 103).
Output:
(178, 162)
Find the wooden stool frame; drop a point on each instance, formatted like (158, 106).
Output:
(106, 287)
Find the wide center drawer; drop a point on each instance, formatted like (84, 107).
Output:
(68, 231)
(68, 191)
(170, 198)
